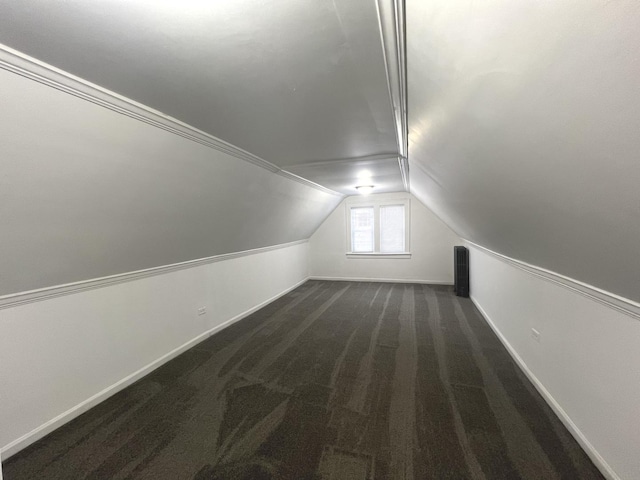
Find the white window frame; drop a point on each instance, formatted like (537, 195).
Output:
(356, 202)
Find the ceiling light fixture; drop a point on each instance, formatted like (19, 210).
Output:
(364, 189)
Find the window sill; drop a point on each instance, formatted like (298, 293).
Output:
(396, 256)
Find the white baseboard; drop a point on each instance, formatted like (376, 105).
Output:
(590, 450)
(48, 427)
(385, 280)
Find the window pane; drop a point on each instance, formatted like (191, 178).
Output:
(362, 229)
(392, 228)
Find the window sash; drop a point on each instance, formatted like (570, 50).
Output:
(392, 228)
(362, 229)
(390, 233)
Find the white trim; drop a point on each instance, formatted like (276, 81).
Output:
(308, 183)
(391, 24)
(590, 450)
(379, 255)
(26, 66)
(611, 300)
(48, 427)
(392, 198)
(21, 298)
(372, 201)
(381, 280)
(403, 162)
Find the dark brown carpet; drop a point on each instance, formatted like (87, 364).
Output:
(334, 381)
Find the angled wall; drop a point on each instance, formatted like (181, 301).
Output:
(117, 228)
(523, 121)
(89, 192)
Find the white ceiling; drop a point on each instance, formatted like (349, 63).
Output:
(524, 130)
(292, 82)
(343, 175)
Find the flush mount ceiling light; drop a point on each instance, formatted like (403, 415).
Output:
(364, 176)
(364, 189)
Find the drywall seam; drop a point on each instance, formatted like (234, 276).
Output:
(591, 451)
(15, 299)
(611, 300)
(28, 67)
(47, 427)
(383, 280)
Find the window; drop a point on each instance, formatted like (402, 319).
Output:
(362, 229)
(392, 228)
(378, 228)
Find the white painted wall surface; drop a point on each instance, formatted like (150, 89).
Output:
(88, 192)
(63, 355)
(431, 245)
(587, 360)
(523, 130)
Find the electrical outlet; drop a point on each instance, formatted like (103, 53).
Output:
(535, 334)
(202, 310)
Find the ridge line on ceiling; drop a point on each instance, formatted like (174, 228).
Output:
(30, 296)
(391, 25)
(608, 299)
(41, 72)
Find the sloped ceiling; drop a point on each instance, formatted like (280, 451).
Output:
(92, 186)
(523, 119)
(302, 85)
(524, 130)
(86, 192)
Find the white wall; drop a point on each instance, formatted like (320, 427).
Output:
(431, 245)
(587, 360)
(62, 355)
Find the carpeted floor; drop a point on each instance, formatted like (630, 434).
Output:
(334, 381)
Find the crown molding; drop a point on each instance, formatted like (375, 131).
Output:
(391, 23)
(404, 171)
(28, 67)
(309, 183)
